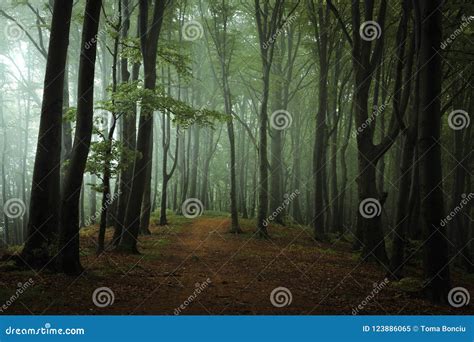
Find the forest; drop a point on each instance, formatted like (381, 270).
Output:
(221, 157)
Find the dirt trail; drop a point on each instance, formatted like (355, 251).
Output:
(176, 262)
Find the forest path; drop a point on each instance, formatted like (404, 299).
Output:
(197, 267)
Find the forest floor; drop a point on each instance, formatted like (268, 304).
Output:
(176, 260)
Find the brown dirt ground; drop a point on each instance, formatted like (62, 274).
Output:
(324, 278)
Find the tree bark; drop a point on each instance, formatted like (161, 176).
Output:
(68, 259)
(436, 262)
(43, 221)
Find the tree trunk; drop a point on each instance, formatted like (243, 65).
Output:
(149, 46)
(436, 262)
(43, 221)
(68, 258)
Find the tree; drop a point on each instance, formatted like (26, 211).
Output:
(149, 34)
(68, 258)
(224, 44)
(43, 221)
(268, 19)
(436, 262)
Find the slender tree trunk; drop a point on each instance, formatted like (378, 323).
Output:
(68, 259)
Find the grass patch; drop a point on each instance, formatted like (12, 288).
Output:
(408, 284)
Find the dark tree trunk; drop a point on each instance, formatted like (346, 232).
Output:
(43, 221)
(436, 262)
(68, 258)
(149, 35)
(268, 21)
(146, 204)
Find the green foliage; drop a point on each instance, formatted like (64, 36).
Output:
(168, 52)
(131, 50)
(109, 153)
(128, 95)
(70, 114)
